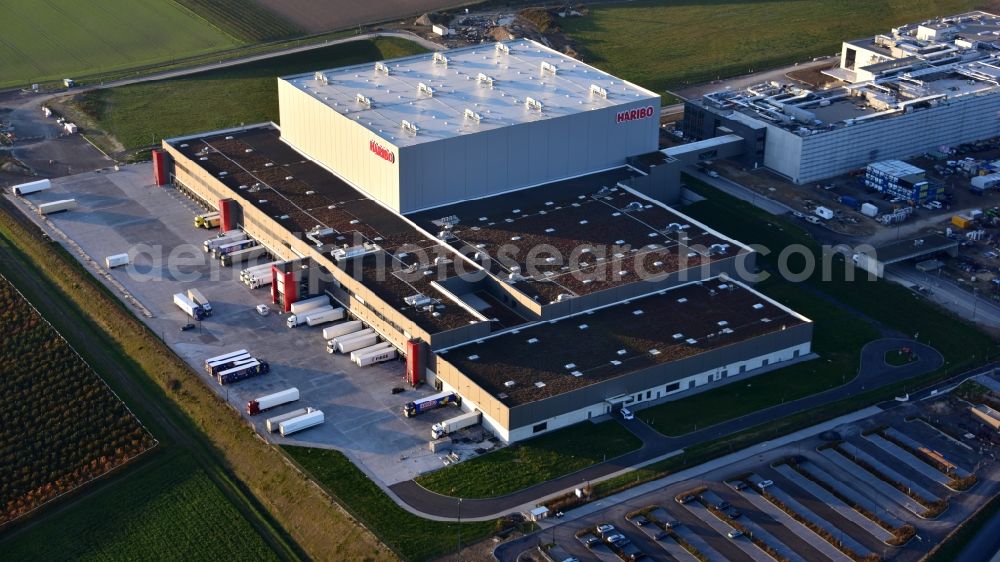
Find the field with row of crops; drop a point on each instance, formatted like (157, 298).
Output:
(62, 425)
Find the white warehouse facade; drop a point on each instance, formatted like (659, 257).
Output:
(433, 129)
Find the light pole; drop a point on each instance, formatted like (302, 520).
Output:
(458, 553)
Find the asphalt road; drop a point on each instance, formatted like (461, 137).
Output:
(873, 373)
(973, 307)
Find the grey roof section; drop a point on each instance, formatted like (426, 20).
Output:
(511, 74)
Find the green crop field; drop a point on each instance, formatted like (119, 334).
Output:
(140, 114)
(58, 39)
(663, 45)
(62, 426)
(165, 510)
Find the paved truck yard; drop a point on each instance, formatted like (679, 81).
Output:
(870, 489)
(122, 212)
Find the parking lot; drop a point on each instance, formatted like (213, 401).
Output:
(123, 212)
(890, 487)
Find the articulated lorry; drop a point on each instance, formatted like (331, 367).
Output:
(456, 423)
(244, 255)
(272, 423)
(224, 357)
(264, 403)
(429, 403)
(199, 299)
(228, 238)
(217, 367)
(341, 329)
(241, 372)
(207, 220)
(189, 307)
(231, 247)
(305, 421)
(333, 345)
(316, 316)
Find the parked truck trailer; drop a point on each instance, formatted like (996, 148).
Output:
(272, 423)
(342, 329)
(373, 357)
(294, 320)
(429, 403)
(189, 307)
(315, 318)
(23, 189)
(236, 374)
(334, 344)
(370, 349)
(212, 243)
(357, 343)
(232, 247)
(305, 421)
(454, 424)
(264, 403)
(57, 206)
(199, 299)
(217, 367)
(306, 305)
(244, 255)
(224, 356)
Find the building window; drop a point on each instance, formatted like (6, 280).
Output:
(673, 387)
(649, 394)
(795, 353)
(724, 372)
(539, 427)
(743, 369)
(764, 362)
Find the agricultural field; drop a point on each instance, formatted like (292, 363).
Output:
(317, 16)
(56, 39)
(168, 510)
(140, 115)
(245, 20)
(661, 45)
(63, 426)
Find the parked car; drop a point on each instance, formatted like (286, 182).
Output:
(737, 485)
(263, 310)
(712, 174)
(627, 414)
(813, 219)
(765, 483)
(617, 540)
(605, 529)
(798, 215)
(672, 524)
(660, 535)
(187, 327)
(735, 533)
(640, 521)
(735, 513)
(688, 498)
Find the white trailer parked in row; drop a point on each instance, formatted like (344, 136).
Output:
(332, 315)
(454, 424)
(366, 350)
(244, 255)
(312, 419)
(357, 343)
(199, 299)
(306, 305)
(294, 320)
(342, 329)
(264, 403)
(116, 260)
(373, 357)
(228, 238)
(57, 206)
(331, 345)
(272, 423)
(31, 187)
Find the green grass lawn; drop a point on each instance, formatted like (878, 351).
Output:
(532, 462)
(141, 114)
(411, 536)
(897, 358)
(167, 509)
(667, 44)
(59, 39)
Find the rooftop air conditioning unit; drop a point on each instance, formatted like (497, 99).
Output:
(409, 127)
(381, 67)
(549, 67)
(532, 103)
(425, 89)
(440, 59)
(485, 79)
(509, 384)
(469, 114)
(364, 100)
(503, 48)
(417, 300)
(319, 76)
(598, 91)
(634, 206)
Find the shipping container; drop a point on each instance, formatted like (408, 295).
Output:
(264, 403)
(849, 201)
(869, 210)
(272, 423)
(57, 206)
(961, 221)
(116, 260)
(305, 421)
(31, 187)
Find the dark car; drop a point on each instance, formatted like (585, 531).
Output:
(592, 542)
(187, 327)
(738, 485)
(640, 521)
(735, 513)
(684, 499)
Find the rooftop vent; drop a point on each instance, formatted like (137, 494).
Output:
(319, 76)
(469, 114)
(654, 351)
(364, 100)
(473, 357)
(723, 323)
(509, 384)
(418, 299)
(576, 374)
(622, 352)
(425, 89)
(678, 336)
(381, 67)
(539, 384)
(691, 341)
(758, 306)
(549, 67)
(533, 340)
(439, 58)
(583, 326)
(615, 362)
(409, 127)
(634, 206)
(532, 103)
(598, 91)
(637, 313)
(503, 48)
(570, 365)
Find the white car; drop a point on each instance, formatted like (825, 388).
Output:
(627, 414)
(765, 483)
(263, 310)
(712, 174)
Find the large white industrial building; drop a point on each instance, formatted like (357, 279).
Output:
(431, 129)
(421, 187)
(920, 87)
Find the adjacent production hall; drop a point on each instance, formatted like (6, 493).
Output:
(500, 215)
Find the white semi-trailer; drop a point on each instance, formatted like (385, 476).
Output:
(200, 300)
(456, 423)
(31, 187)
(116, 260)
(366, 350)
(317, 318)
(189, 307)
(294, 320)
(225, 356)
(228, 238)
(306, 305)
(312, 419)
(342, 329)
(357, 343)
(331, 345)
(264, 403)
(371, 358)
(272, 423)
(230, 247)
(57, 206)
(244, 255)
